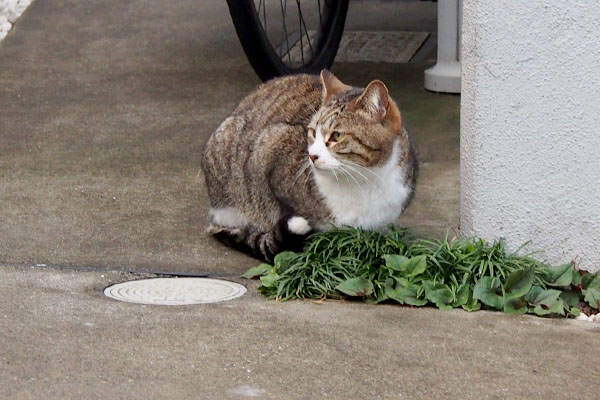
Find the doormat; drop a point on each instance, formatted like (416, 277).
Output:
(369, 46)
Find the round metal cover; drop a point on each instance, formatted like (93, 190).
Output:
(175, 291)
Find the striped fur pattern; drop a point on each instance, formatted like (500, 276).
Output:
(303, 153)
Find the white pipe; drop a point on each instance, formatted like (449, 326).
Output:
(444, 76)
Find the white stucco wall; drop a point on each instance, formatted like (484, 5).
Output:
(530, 126)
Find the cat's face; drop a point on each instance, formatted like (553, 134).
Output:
(352, 127)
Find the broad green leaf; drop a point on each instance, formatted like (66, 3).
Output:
(390, 290)
(533, 293)
(268, 281)
(559, 276)
(402, 281)
(356, 287)
(558, 307)
(257, 271)
(515, 306)
(406, 295)
(555, 308)
(574, 311)
(409, 266)
(570, 297)
(440, 295)
(389, 284)
(592, 297)
(472, 305)
(396, 298)
(537, 296)
(518, 283)
(463, 295)
(409, 291)
(283, 259)
(539, 310)
(382, 297)
(576, 280)
(395, 261)
(486, 290)
(413, 301)
(591, 280)
(415, 266)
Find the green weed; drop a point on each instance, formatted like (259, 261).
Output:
(448, 273)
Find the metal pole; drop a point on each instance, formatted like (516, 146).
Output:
(444, 76)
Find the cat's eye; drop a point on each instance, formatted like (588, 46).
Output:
(311, 132)
(335, 136)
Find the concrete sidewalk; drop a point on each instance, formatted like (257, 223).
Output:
(61, 339)
(104, 110)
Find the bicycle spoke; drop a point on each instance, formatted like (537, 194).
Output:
(320, 16)
(297, 49)
(260, 3)
(278, 47)
(285, 32)
(300, 23)
(265, 13)
(305, 30)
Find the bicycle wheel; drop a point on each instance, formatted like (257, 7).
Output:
(281, 39)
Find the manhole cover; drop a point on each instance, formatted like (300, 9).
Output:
(175, 291)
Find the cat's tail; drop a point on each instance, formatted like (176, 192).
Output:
(288, 234)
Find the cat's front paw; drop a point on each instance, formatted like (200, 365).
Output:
(298, 225)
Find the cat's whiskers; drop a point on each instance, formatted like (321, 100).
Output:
(365, 169)
(301, 170)
(307, 177)
(363, 176)
(341, 167)
(336, 177)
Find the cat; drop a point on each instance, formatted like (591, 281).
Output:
(303, 153)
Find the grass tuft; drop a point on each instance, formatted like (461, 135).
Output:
(393, 266)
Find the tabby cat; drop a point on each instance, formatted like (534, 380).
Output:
(304, 153)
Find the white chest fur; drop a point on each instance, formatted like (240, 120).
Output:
(367, 198)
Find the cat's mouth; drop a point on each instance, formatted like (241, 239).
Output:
(323, 167)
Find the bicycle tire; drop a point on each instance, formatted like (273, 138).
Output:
(260, 52)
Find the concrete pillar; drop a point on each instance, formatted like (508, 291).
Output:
(530, 126)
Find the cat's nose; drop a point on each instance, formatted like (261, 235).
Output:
(313, 157)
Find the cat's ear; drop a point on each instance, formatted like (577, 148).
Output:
(375, 99)
(331, 85)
